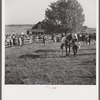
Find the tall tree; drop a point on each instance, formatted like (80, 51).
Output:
(64, 16)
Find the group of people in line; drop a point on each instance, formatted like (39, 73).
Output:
(16, 39)
(21, 39)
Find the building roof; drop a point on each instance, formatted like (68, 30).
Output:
(36, 30)
(39, 27)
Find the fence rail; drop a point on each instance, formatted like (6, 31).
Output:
(26, 41)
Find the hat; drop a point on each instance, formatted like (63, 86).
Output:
(22, 33)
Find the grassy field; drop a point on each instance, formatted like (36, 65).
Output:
(44, 64)
(9, 29)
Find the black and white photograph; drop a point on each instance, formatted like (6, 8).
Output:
(50, 42)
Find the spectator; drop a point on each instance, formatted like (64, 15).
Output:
(90, 38)
(44, 39)
(14, 39)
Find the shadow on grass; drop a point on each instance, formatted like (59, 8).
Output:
(35, 56)
(32, 56)
(46, 51)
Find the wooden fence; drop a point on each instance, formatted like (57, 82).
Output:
(26, 41)
(30, 41)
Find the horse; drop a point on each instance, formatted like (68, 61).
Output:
(62, 43)
(68, 41)
(75, 46)
(68, 44)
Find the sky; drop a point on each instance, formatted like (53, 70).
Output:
(33, 11)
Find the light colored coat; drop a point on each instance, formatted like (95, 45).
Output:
(63, 40)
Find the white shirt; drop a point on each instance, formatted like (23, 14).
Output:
(63, 40)
(76, 37)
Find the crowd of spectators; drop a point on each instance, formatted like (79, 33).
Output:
(21, 39)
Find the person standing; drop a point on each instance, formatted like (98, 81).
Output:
(14, 39)
(62, 43)
(86, 37)
(76, 37)
(44, 39)
(90, 38)
(20, 41)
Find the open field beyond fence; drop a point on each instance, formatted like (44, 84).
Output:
(9, 29)
(44, 64)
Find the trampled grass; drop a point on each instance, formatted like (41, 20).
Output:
(44, 64)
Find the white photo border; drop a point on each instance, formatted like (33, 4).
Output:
(40, 92)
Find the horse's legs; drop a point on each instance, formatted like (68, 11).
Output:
(62, 48)
(75, 48)
(67, 46)
(62, 51)
(69, 49)
(66, 49)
